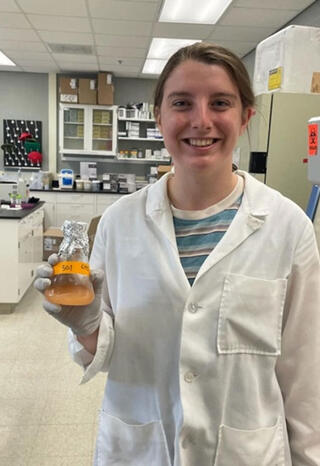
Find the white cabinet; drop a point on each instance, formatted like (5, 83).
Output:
(20, 255)
(74, 206)
(49, 208)
(82, 207)
(105, 201)
(88, 129)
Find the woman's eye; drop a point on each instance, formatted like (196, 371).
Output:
(180, 103)
(221, 104)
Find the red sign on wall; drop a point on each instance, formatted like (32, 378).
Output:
(313, 139)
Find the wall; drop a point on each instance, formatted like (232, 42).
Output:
(24, 96)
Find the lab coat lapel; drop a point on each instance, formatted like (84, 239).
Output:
(249, 219)
(158, 210)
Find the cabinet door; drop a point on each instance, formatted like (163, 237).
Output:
(72, 129)
(49, 215)
(37, 238)
(77, 212)
(25, 255)
(103, 131)
(87, 129)
(104, 201)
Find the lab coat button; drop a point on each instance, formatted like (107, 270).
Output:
(189, 376)
(193, 308)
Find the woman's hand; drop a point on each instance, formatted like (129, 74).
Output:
(83, 320)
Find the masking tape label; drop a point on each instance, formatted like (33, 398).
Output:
(64, 267)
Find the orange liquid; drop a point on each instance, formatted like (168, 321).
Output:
(68, 294)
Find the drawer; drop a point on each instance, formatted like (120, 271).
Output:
(68, 198)
(77, 212)
(107, 199)
(44, 196)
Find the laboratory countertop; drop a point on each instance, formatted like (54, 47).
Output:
(18, 214)
(74, 191)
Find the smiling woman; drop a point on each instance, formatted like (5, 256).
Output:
(207, 320)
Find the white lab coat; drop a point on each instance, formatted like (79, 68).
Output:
(208, 375)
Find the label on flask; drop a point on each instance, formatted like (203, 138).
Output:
(65, 267)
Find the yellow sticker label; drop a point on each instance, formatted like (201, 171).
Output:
(71, 267)
(275, 78)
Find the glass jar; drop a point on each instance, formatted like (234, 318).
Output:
(70, 284)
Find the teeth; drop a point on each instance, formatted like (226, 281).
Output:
(201, 142)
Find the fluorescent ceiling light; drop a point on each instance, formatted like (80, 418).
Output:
(163, 48)
(153, 66)
(5, 61)
(191, 11)
(159, 52)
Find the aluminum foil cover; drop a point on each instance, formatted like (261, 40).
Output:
(74, 238)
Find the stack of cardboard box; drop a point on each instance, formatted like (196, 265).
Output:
(86, 91)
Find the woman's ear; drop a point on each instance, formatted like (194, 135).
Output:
(246, 116)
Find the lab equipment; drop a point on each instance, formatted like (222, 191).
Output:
(70, 284)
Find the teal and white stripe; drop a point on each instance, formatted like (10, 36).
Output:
(197, 238)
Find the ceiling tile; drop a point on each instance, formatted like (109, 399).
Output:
(9, 6)
(56, 7)
(118, 9)
(30, 55)
(26, 61)
(279, 5)
(238, 47)
(68, 58)
(122, 41)
(66, 37)
(14, 20)
(78, 67)
(10, 68)
(126, 62)
(181, 31)
(16, 45)
(122, 69)
(36, 68)
(121, 52)
(125, 28)
(60, 23)
(242, 33)
(21, 35)
(257, 16)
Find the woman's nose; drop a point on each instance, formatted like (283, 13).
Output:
(202, 117)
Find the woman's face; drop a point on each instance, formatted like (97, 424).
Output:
(201, 116)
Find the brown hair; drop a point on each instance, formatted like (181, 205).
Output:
(211, 54)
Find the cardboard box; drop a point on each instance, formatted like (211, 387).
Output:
(287, 60)
(87, 91)
(52, 238)
(163, 169)
(68, 90)
(105, 88)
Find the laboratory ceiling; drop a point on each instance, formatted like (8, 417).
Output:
(64, 36)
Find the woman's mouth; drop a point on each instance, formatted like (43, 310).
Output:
(201, 142)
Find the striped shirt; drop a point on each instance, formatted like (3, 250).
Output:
(198, 232)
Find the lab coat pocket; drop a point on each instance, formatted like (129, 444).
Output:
(263, 447)
(122, 444)
(250, 315)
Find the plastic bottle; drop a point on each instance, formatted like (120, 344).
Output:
(70, 284)
(21, 187)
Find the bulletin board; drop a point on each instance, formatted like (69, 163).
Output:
(15, 150)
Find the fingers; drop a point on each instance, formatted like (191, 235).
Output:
(97, 277)
(41, 284)
(51, 308)
(53, 259)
